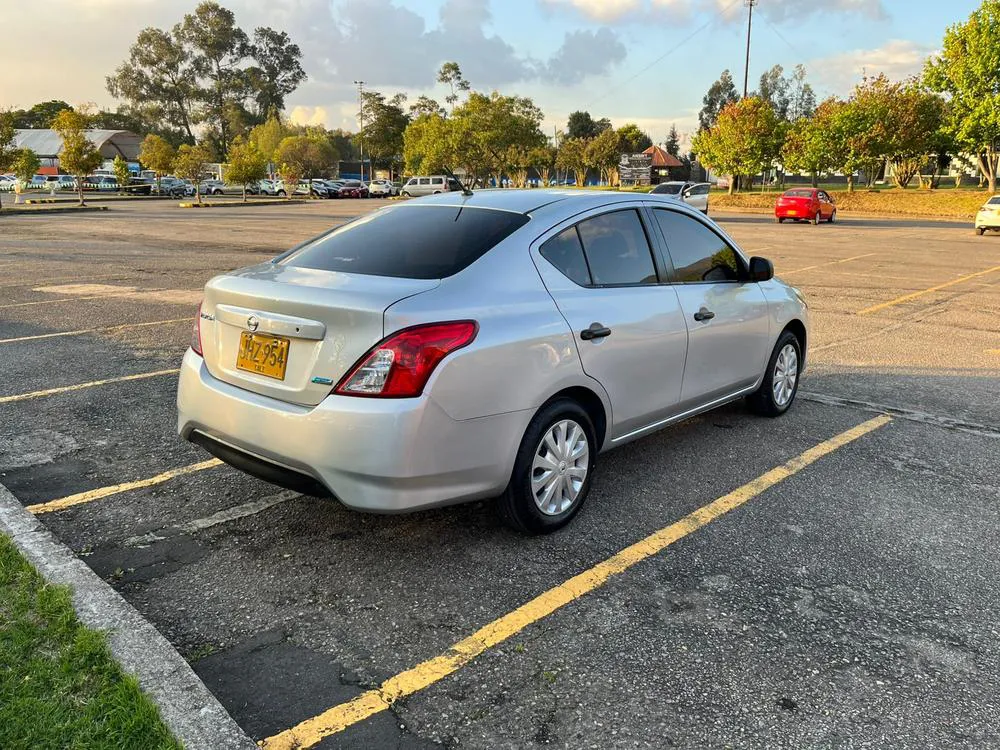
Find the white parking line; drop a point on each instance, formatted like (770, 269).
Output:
(823, 265)
(94, 330)
(81, 386)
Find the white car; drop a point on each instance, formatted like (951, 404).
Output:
(267, 187)
(7, 182)
(988, 216)
(381, 188)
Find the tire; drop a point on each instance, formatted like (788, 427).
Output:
(405, 194)
(981, 231)
(518, 506)
(833, 217)
(817, 218)
(780, 220)
(763, 401)
(437, 192)
(281, 194)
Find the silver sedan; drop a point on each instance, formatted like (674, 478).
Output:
(486, 345)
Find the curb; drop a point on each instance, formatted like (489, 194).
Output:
(241, 204)
(187, 707)
(17, 211)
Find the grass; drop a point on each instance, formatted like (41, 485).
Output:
(59, 685)
(951, 204)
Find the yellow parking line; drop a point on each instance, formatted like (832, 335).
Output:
(821, 265)
(81, 386)
(914, 295)
(992, 351)
(68, 299)
(91, 495)
(93, 330)
(312, 731)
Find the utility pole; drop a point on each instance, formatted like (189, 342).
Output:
(746, 70)
(361, 125)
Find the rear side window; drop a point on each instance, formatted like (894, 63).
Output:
(437, 181)
(698, 253)
(799, 194)
(565, 252)
(667, 189)
(617, 249)
(425, 180)
(411, 242)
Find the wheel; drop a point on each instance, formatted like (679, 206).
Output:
(437, 192)
(833, 217)
(981, 231)
(780, 220)
(817, 218)
(281, 194)
(405, 194)
(781, 380)
(552, 470)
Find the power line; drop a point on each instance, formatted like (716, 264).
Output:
(666, 54)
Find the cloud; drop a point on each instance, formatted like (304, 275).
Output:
(618, 11)
(682, 11)
(897, 58)
(585, 53)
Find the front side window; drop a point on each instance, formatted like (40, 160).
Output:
(617, 249)
(699, 254)
(565, 252)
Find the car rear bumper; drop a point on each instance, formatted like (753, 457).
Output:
(381, 455)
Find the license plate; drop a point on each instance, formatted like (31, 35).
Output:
(263, 354)
(793, 212)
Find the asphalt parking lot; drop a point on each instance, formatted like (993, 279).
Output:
(848, 601)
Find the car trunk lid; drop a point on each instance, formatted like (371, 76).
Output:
(292, 333)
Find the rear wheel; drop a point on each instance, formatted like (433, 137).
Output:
(817, 218)
(281, 193)
(405, 194)
(552, 470)
(781, 380)
(780, 220)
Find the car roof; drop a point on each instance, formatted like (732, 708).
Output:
(527, 201)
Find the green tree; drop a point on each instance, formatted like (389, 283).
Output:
(451, 75)
(190, 164)
(543, 160)
(633, 139)
(7, 150)
(572, 157)
(384, 125)
(301, 156)
(78, 157)
(40, 115)
(122, 173)
(603, 154)
(673, 144)
(809, 144)
(720, 95)
(277, 72)
(246, 164)
(157, 154)
(343, 143)
(24, 163)
(582, 125)
(746, 139)
(427, 144)
(426, 106)
(269, 135)
(967, 70)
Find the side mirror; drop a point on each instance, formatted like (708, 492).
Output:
(686, 193)
(761, 269)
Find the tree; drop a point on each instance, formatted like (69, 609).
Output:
(633, 140)
(809, 145)
(7, 151)
(426, 106)
(300, 156)
(385, 122)
(543, 159)
(122, 173)
(343, 144)
(190, 164)
(40, 115)
(745, 140)
(25, 164)
(582, 125)
(572, 157)
(246, 164)
(157, 154)
(269, 135)
(277, 73)
(426, 144)
(720, 94)
(773, 89)
(967, 71)
(159, 80)
(78, 157)
(451, 74)
(603, 153)
(801, 97)
(673, 144)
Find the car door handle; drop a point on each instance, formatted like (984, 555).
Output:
(704, 314)
(596, 331)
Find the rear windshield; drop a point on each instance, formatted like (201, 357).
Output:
(668, 189)
(799, 194)
(410, 242)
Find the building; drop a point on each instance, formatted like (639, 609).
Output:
(47, 144)
(651, 167)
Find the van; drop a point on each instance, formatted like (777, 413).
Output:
(417, 186)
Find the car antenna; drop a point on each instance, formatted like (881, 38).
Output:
(465, 191)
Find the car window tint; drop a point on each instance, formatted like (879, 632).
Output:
(667, 189)
(425, 180)
(414, 242)
(798, 194)
(617, 249)
(565, 252)
(437, 181)
(701, 190)
(994, 202)
(698, 253)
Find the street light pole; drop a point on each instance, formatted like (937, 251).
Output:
(746, 70)
(361, 125)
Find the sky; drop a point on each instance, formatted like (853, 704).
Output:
(643, 61)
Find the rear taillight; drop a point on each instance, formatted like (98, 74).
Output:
(401, 364)
(196, 333)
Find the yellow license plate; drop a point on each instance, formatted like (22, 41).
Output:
(263, 354)
(793, 212)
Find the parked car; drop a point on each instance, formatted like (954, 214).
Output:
(101, 183)
(172, 186)
(381, 188)
(7, 182)
(211, 187)
(37, 182)
(451, 349)
(353, 189)
(805, 204)
(695, 194)
(61, 181)
(417, 186)
(333, 186)
(267, 187)
(988, 216)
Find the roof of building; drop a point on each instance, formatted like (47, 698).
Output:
(662, 158)
(48, 144)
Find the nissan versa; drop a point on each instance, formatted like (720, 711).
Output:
(467, 346)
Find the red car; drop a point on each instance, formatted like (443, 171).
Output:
(805, 204)
(353, 189)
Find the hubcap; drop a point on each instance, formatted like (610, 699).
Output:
(559, 468)
(786, 372)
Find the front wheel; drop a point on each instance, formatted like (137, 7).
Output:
(405, 194)
(552, 470)
(781, 380)
(281, 194)
(981, 231)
